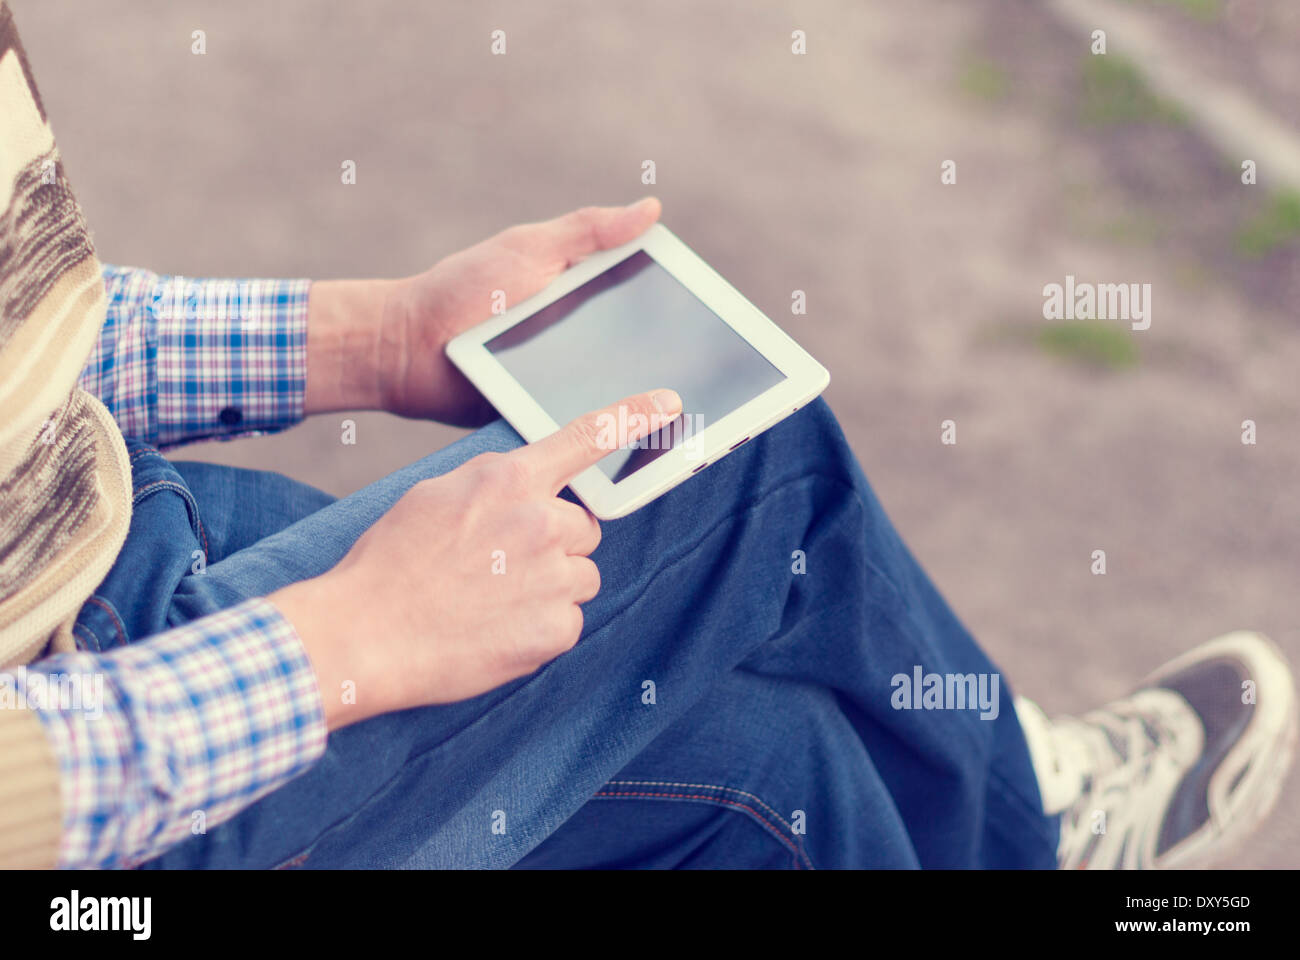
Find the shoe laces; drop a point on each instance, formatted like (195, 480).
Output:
(1120, 763)
(1118, 744)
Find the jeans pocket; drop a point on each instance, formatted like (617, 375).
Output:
(165, 543)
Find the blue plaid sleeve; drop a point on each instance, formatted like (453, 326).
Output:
(181, 359)
(169, 737)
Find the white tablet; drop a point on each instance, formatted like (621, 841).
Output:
(647, 314)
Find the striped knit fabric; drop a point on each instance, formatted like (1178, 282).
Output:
(65, 495)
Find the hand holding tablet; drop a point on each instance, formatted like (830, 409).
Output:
(646, 315)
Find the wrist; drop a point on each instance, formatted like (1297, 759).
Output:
(345, 334)
(312, 608)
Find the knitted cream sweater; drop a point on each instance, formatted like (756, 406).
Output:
(65, 482)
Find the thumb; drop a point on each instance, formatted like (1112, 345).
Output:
(557, 459)
(583, 232)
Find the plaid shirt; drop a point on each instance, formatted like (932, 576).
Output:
(196, 723)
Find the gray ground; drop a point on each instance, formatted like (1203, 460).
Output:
(819, 173)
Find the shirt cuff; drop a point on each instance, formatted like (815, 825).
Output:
(182, 359)
(232, 356)
(167, 738)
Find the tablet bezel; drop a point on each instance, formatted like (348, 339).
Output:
(805, 378)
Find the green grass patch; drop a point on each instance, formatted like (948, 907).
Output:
(1091, 214)
(1115, 92)
(985, 79)
(1137, 228)
(1090, 342)
(1192, 275)
(1277, 225)
(1208, 10)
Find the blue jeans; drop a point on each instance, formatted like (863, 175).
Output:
(732, 701)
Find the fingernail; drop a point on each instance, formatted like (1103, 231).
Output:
(666, 401)
(643, 202)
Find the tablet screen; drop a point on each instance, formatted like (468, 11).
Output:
(630, 329)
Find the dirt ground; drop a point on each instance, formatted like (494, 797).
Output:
(818, 172)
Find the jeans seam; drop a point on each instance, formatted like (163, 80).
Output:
(713, 786)
(90, 639)
(801, 857)
(191, 507)
(113, 615)
(705, 786)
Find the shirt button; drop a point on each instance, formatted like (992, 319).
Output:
(230, 416)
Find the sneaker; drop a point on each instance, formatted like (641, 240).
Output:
(1177, 773)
